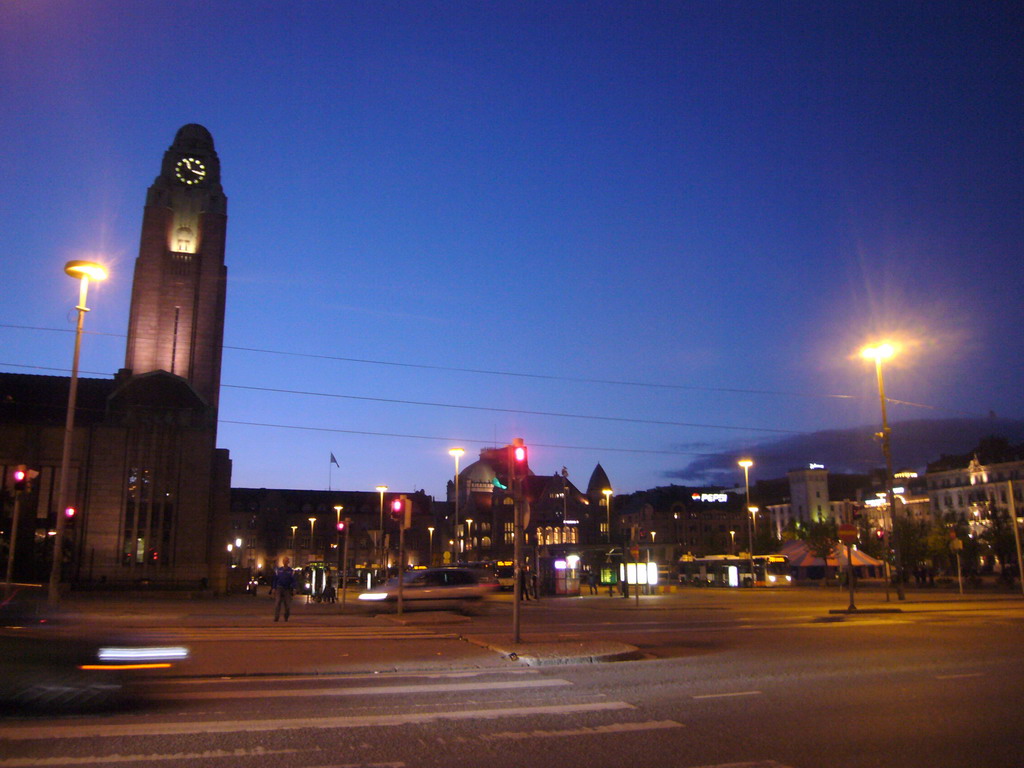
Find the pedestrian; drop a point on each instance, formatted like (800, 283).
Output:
(592, 581)
(284, 584)
(524, 585)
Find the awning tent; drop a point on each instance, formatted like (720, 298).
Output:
(800, 556)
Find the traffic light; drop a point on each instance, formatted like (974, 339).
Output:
(20, 478)
(341, 526)
(69, 512)
(401, 511)
(519, 458)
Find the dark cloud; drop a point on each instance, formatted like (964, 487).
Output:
(857, 450)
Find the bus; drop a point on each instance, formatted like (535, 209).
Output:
(734, 571)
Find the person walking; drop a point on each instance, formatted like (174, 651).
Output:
(284, 585)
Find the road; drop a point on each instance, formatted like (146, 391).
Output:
(728, 679)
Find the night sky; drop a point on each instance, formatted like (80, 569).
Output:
(630, 233)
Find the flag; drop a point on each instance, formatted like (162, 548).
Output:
(334, 461)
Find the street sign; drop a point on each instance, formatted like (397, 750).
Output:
(848, 533)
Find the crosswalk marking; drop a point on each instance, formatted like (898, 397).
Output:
(25, 732)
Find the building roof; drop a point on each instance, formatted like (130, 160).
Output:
(32, 399)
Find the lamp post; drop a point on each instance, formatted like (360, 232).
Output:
(456, 453)
(747, 464)
(430, 534)
(337, 531)
(732, 544)
(83, 271)
(380, 531)
(608, 512)
(878, 353)
(312, 522)
(294, 529)
(469, 533)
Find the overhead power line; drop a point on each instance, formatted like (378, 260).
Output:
(458, 439)
(489, 372)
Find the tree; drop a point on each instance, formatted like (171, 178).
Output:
(821, 539)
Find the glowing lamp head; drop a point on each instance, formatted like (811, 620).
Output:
(86, 269)
(746, 463)
(881, 351)
(69, 512)
(457, 452)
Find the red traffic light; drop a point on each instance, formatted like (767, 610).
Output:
(69, 512)
(519, 452)
(397, 507)
(20, 477)
(341, 525)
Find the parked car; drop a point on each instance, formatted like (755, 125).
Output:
(435, 588)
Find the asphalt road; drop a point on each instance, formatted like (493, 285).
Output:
(728, 678)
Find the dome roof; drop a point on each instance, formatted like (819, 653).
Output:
(478, 472)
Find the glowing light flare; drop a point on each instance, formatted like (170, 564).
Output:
(885, 350)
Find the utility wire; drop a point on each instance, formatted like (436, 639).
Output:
(488, 372)
(519, 374)
(513, 410)
(457, 439)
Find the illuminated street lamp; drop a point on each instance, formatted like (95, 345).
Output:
(456, 453)
(337, 531)
(83, 271)
(732, 545)
(747, 464)
(312, 522)
(380, 544)
(430, 533)
(294, 528)
(878, 353)
(469, 533)
(608, 511)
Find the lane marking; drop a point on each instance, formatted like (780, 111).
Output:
(727, 695)
(368, 690)
(616, 728)
(24, 762)
(960, 677)
(24, 732)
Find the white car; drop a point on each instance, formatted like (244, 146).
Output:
(434, 586)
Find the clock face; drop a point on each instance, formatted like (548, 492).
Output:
(190, 171)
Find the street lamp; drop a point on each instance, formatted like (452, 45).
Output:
(732, 545)
(747, 464)
(312, 522)
(380, 532)
(878, 353)
(337, 531)
(430, 533)
(456, 453)
(83, 271)
(469, 533)
(608, 512)
(294, 528)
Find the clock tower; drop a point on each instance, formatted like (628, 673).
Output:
(176, 323)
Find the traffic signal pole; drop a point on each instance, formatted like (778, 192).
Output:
(14, 542)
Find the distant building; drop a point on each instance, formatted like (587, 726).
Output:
(972, 487)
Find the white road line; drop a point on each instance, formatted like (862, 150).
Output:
(24, 732)
(375, 690)
(177, 757)
(727, 695)
(960, 677)
(598, 730)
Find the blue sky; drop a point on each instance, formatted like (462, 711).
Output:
(714, 202)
